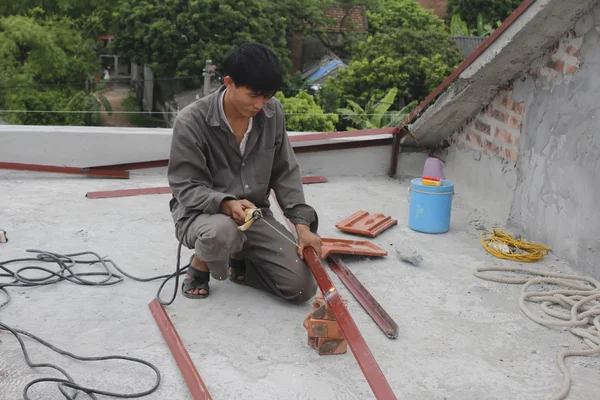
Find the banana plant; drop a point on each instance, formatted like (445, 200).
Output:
(458, 27)
(374, 114)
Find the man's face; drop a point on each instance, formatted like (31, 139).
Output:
(246, 102)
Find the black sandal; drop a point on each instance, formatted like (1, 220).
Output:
(238, 269)
(200, 281)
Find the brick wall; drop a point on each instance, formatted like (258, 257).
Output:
(561, 62)
(496, 129)
(438, 6)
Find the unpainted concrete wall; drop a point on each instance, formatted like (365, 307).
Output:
(531, 158)
(558, 189)
(483, 153)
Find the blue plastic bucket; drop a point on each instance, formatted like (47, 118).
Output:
(430, 206)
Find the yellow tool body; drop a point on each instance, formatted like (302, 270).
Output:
(252, 215)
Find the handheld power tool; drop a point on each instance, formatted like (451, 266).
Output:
(253, 215)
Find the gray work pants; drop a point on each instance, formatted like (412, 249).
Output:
(272, 263)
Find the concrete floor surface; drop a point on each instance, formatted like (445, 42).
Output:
(460, 338)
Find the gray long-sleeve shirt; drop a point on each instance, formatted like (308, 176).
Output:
(206, 166)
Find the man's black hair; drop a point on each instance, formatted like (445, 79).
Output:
(255, 66)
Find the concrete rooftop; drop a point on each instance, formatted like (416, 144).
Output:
(459, 337)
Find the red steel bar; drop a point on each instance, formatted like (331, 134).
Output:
(184, 362)
(362, 295)
(465, 64)
(136, 165)
(367, 363)
(127, 192)
(101, 172)
(307, 180)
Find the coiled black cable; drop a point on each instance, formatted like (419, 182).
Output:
(66, 263)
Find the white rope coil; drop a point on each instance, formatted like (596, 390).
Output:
(577, 307)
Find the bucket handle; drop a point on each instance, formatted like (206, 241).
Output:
(420, 191)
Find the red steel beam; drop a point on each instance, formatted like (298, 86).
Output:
(307, 180)
(367, 363)
(363, 296)
(363, 355)
(136, 165)
(184, 362)
(127, 192)
(464, 65)
(100, 172)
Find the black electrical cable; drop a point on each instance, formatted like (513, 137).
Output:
(66, 263)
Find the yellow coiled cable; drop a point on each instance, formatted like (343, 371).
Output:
(502, 245)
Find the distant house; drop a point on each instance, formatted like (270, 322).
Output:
(318, 73)
(437, 6)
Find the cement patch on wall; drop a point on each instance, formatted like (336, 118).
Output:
(485, 181)
(557, 194)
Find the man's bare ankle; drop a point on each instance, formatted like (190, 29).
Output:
(199, 264)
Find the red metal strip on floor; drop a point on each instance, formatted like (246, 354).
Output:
(135, 165)
(107, 173)
(100, 173)
(362, 295)
(363, 355)
(184, 362)
(307, 180)
(128, 192)
(367, 363)
(166, 189)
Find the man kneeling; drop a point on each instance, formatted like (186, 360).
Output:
(228, 150)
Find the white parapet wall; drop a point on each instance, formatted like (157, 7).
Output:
(81, 147)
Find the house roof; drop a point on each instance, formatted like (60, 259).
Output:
(356, 14)
(524, 36)
(252, 345)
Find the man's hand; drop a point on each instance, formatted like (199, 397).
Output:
(235, 209)
(307, 239)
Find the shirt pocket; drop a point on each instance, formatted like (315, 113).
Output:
(264, 165)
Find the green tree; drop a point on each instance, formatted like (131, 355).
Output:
(309, 17)
(402, 14)
(39, 63)
(175, 37)
(304, 115)
(491, 10)
(408, 48)
(92, 17)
